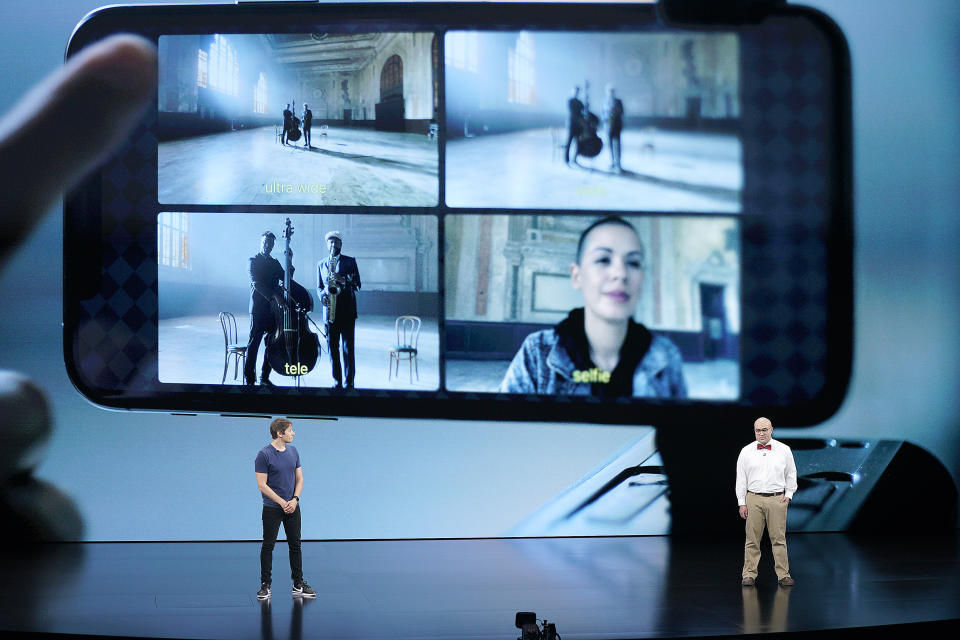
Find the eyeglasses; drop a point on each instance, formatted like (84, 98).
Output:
(761, 430)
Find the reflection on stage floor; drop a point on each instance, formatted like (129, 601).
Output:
(345, 167)
(662, 171)
(591, 588)
(191, 352)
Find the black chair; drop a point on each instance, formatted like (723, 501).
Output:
(231, 345)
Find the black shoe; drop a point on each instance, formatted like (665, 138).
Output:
(265, 382)
(337, 387)
(304, 590)
(264, 592)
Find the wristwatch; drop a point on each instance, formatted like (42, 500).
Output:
(298, 499)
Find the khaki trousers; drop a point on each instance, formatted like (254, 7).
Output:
(770, 513)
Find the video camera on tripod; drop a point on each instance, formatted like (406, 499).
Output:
(526, 621)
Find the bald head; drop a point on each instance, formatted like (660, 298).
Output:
(763, 429)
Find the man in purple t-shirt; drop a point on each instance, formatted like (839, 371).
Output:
(280, 480)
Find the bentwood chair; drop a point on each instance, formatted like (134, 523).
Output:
(231, 345)
(407, 330)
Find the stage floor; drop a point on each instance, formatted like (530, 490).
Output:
(346, 167)
(626, 587)
(662, 171)
(191, 352)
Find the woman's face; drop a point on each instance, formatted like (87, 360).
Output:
(610, 272)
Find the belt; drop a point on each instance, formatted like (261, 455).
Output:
(766, 495)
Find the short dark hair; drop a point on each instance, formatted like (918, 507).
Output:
(268, 234)
(279, 426)
(599, 223)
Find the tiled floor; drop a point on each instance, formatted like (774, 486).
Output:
(191, 352)
(346, 167)
(663, 171)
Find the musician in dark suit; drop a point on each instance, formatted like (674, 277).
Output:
(287, 123)
(266, 279)
(574, 123)
(613, 115)
(339, 272)
(307, 122)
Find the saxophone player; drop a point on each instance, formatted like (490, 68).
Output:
(338, 280)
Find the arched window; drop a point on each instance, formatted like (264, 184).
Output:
(520, 71)
(260, 95)
(462, 50)
(221, 68)
(201, 68)
(391, 78)
(173, 246)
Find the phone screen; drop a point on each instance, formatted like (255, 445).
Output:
(557, 221)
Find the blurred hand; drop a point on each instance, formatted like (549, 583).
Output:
(54, 136)
(743, 511)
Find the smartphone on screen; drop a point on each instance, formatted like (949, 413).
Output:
(552, 212)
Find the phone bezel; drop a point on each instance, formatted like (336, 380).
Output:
(82, 207)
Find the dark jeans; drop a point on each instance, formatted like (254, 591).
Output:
(613, 138)
(336, 331)
(260, 325)
(272, 517)
(573, 132)
(306, 135)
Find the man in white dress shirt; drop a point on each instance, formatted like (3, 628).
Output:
(766, 482)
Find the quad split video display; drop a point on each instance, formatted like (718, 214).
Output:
(485, 212)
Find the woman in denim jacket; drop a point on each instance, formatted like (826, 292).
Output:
(598, 349)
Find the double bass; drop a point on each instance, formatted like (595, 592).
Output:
(294, 132)
(589, 143)
(292, 349)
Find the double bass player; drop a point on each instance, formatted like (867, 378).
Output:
(266, 278)
(574, 124)
(291, 124)
(581, 125)
(287, 124)
(278, 306)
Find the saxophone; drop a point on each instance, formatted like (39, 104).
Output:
(335, 284)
